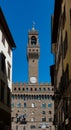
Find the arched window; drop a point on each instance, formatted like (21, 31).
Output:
(24, 97)
(45, 96)
(12, 105)
(34, 96)
(49, 105)
(43, 105)
(15, 96)
(32, 119)
(29, 97)
(25, 105)
(33, 104)
(18, 105)
(50, 96)
(33, 40)
(42, 96)
(18, 96)
(21, 96)
(12, 97)
(39, 97)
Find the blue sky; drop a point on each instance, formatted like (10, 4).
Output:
(19, 15)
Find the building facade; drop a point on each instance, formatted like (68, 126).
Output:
(32, 103)
(61, 48)
(6, 45)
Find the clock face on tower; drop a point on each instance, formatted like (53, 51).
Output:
(33, 80)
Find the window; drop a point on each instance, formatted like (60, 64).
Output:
(43, 105)
(2, 91)
(43, 97)
(3, 39)
(50, 119)
(12, 119)
(12, 105)
(15, 96)
(33, 60)
(70, 17)
(66, 75)
(35, 89)
(44, 89)
(32, 119)
(35, 97)
(37, 50)
(12, 97)
(26, 89)
(50, 112)
(39, 89)
(33, 127)
(33, 40)
(33, 50)
(9, 67)
(25, 105)
(23, 89)
(66, 41)
(66, 107)
(14, 88)
(48, 89)
(44, 119)
(43, 112)
(32, 112)
(65, 45)
(29, 96)
(16, 127)
(39, 97)
(29, 49)
(3, 62)
(18, 105)
(50, 97)
(24, 128)
(19, 89)
(19, 96)
(33, 104)
(52, 89)
(9, 50)
(49, 105)
(31, 89)
(8, 96)
(64, 17)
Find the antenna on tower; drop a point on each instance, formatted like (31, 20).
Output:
(33, 27)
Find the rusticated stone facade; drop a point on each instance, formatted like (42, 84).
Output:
(35, 103)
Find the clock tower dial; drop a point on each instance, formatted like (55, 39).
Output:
(33, 80)
(33, 51)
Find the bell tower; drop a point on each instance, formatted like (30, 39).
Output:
(33, 51)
